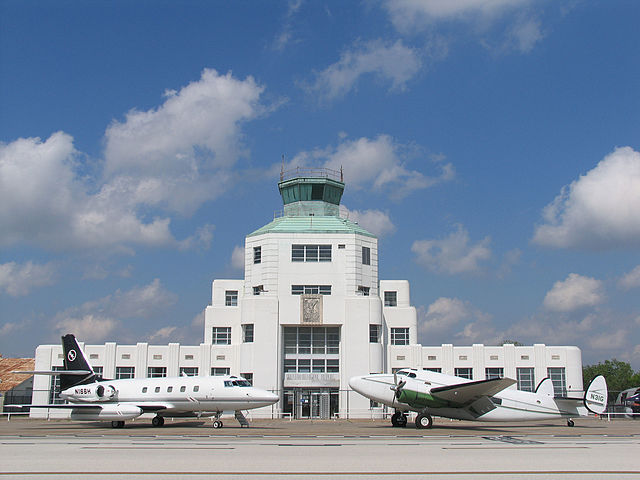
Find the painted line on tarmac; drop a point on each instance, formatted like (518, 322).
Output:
(334, 474)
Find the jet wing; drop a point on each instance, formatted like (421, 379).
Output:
(463, 394)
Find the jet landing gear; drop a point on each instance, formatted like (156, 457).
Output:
(117, 424)
(424, 420)
(157, 421)
(399, 419)
(570, 423)
(217, 423)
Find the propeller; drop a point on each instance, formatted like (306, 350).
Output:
(397, 386)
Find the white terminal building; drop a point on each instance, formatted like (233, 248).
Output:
(312, 312)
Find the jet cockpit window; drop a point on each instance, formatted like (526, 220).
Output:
(228, 383)
(412, 375)
(243, 383)
(403, 372)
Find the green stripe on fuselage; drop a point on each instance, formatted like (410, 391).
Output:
(420, 399)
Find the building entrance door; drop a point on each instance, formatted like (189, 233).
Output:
(320, 403)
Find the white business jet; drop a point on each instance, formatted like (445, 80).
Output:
(431, 393)
(92, 398)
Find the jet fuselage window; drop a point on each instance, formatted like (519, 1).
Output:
(157, 389)
(196, 388)
(144, 389)
(183, 388)
(169, 389)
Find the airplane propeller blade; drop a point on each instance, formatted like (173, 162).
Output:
(397, 386)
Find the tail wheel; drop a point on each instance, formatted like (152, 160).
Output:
(157, 421)
(217, 424)
(424, 420)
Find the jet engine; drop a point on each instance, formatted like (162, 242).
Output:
(90, 393)
(106, 412)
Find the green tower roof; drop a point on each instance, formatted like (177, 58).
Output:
(312, 224)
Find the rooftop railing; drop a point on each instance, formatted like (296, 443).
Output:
(311, 172)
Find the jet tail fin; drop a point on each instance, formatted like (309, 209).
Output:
(596, 396)
(545, 387)
(74, 361)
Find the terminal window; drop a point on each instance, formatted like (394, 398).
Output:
(525, 378)
(221, 336)
(156, 372)
(399, 336)
(310, 289)
(247, 333)
(310, 253)
(188, 371)
(374, 333)
(366, 256)
(464, 372)
(390, 299)
(125, 372)
(231, 298)
(257, 254)
(493, 372)
(216, 371)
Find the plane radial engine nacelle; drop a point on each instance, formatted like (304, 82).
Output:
(106, 412)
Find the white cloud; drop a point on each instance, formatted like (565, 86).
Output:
(9, 327)
(88, 328)
(599, 210)
(237, 257)
(285, 36)
(18, 280)
(378, 163)
(416, 15)
(444, 313)
(631, 279)
(393, 63)
(180, 154)
(524, 35)
(140, 302)
(163, 335)
(453, 254)
(574, 293)
(374, 221)
(174, 157)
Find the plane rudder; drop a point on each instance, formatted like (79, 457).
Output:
(597, 395)
(74, 359)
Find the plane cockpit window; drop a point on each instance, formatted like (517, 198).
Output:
(243, 383)
(402, 372)
(228, 383)
(412, 375)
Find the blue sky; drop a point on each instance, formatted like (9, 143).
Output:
(492, 146)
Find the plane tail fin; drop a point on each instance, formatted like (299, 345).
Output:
(596, 396)
(74, 360)
(545, 387)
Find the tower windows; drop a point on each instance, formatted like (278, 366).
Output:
(310, 289)
(366, 256)
(231, 298)
(390, 299)
(247, 333)
(257, 254)
(374, 333)
(221, 336)
(310, 253)
(400, 336)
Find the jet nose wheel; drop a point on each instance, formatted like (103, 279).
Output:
(117, 424)
(570, 423)
(399, 419)
(424, 421)
(217, 424)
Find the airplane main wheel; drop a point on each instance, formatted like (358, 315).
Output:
(157, 421)
(424, 421)
(217, 424)
(117, 424)
(570, 423)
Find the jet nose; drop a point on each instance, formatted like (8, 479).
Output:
(272, 397)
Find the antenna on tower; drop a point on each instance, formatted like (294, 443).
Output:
(341, 176)
(282, 169)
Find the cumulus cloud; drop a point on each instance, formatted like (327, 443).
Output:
(163, 335)
(599, 210)
(171, 158)
(393, 63)
(453, 254)
(378, 163)
(18, 279)
(237, 257)
(377, 222)
(631, 279)
(574, 293)
(443, 314)
(97, 319)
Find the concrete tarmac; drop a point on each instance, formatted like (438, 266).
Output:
(363, 449)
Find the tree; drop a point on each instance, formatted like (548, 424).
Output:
(619, 375)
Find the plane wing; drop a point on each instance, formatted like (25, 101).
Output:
(463, 394)
(144, 406)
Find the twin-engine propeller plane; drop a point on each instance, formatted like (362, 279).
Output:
(92, 398)
(430, 393)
